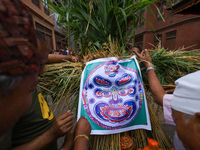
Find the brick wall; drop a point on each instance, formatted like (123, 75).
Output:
(187, 29)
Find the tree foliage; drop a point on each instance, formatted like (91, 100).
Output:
(94, 20)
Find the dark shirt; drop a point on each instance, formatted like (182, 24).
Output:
(64, 52)
(37, 120)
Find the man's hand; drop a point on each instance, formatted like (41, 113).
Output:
(82, 127)
(54, 58)
(145, 58)
(62, 124)
(169, 89)
(156, 88)
(76, 58)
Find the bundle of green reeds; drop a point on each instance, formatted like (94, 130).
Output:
(62, 81)
(171, 65)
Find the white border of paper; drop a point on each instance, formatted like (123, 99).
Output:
(124, 129)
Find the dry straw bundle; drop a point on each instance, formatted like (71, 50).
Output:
(62, 81)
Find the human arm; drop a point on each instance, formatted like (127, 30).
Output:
(69, 141)
(82, 128)
(156, 88)
(53, 58)
(62, 125)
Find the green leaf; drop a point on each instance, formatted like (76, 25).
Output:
(97, 44)
(124, 14)
(148, 23)
(75, 105)
(159, 13)
(108, 17)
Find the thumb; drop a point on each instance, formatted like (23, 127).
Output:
(82, 117)
(146, 52)
(137, 53)
(170, 91)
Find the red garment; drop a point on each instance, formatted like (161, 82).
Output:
(18, 44)
(60, 51)
(72, 53)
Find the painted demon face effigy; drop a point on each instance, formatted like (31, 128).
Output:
(112, 95)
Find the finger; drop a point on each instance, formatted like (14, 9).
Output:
(168, 88)
(142, 52)
(68, 124)
(146, 52)
(165, 87)
(138, 54)
(68, 119)
(82, 117)
(69, 128)
(65, 115)
(171, 91)
(87, 121)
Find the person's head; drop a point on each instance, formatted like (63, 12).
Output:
(186, 110)
(137, 48)
(19, 63)
(43, 51)
(66, 47)
(15, 98)
(188, 129)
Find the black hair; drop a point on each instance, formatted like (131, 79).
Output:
(138, 47)
(39, 35)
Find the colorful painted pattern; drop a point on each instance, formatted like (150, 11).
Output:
(112, 95)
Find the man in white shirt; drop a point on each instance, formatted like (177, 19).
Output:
(182, 108)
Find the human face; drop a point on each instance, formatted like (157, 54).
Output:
(188, 129)
(136, 49)
(44, 52)
(14, 105)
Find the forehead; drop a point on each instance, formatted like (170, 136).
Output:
(135, 48)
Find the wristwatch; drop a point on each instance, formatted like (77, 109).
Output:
(150, 68)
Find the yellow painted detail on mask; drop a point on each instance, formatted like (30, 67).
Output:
(46, 112)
